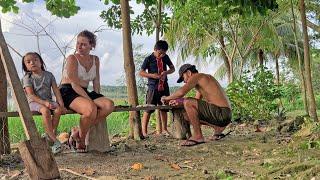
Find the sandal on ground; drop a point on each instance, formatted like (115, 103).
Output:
(75, 146)
(56, 148)
(190, 142)
(80, 148)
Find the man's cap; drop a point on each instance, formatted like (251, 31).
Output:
(183, 69)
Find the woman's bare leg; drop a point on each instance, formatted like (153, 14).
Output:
(88, 111)
(105, 107)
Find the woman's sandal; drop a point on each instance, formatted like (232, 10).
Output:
(80, 148)
(75, 144)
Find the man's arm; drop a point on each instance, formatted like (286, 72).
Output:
(184, 89)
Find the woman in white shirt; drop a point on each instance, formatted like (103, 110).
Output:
(82, 68)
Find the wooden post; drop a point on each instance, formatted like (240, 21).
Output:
(181, 128)
(98, 138)
(34, 152)
(158, 121)
(4, 132)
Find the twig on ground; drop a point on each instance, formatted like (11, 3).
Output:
(78, 174)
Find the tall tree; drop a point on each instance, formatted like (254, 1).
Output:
(135, 121)
(307, 62)
(300, 60)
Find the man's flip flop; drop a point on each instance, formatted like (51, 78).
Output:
(190, 142)
(217, 137)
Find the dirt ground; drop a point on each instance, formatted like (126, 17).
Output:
(244, 154)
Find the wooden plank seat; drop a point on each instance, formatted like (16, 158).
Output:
(98, 135)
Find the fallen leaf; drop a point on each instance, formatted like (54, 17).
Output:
(137, 166)
(175, 166)
(88, 171)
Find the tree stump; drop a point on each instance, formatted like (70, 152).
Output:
(181, 128)
(98, 138)
(38, 160)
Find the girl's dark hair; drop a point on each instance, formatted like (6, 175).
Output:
(24, 67)
(92, 37)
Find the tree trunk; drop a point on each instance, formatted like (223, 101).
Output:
(158, 29)
(226, 60)
(4, 136)
(135, 120)
(159, 20)
(277, 69)
(312, 103)
(260, 57)
(301, 65)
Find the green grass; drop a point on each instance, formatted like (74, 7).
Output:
(117, 124)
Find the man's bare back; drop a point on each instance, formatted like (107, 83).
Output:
(210, 90)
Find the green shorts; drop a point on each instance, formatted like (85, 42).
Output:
(212, 114)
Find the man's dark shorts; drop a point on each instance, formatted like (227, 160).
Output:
(68, 94)
(212, 114)
(153, 96)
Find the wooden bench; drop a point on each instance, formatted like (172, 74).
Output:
(98, 135)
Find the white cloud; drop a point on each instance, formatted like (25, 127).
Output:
(109, 47)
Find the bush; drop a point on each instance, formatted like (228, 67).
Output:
(254, 98)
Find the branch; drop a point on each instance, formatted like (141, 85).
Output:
(19, 25)
(14, 50)
(313, 26)
(216, 39)
(78, 174)
(44, 29)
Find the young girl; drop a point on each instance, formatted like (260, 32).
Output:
(37, 84)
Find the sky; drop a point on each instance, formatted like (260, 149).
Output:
(63, 30)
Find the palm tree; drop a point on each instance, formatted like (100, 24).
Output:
(311, 99)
